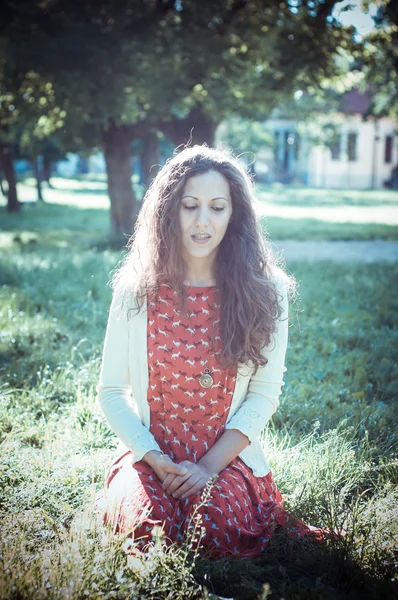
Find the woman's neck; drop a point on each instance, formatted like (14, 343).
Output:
(199, 276)
(199, 271)
(200, 281)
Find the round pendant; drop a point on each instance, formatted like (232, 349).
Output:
(206, 380)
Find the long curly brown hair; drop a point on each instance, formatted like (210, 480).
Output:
(245, 265)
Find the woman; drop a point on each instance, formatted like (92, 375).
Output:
(197, 333)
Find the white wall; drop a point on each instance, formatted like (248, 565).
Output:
(368, 169)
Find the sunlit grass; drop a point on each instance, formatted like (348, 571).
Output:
(278, 193)
(289, 212)
(331, 444)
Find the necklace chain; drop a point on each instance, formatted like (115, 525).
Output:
(206, 380)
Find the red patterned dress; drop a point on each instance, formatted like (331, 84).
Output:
(187, 420)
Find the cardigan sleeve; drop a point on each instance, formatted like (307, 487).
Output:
(114, 389)
(262, 398)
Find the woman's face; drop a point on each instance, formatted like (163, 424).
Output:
(205, 211)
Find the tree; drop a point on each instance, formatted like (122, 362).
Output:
(130, 68)
(245, 137)
(94, 56)
(28, 115)
(379, 60)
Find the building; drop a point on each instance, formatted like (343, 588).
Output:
(362, 153)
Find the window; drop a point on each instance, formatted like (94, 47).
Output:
(335, 148)
(388, 149)
(276, 145)
(286, 144)
(297, 147)
(352, 146)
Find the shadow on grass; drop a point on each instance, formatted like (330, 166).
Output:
(80, 185)
(299, 568)
(81, 191)
(315, 230)
(321, 197)
(49, 224)
(55, 226)
(49, 217)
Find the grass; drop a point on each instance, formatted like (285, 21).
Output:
(309, 229)
(289, 212)
(291, 195)
(332, 443)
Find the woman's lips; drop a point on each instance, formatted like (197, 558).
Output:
(200, 240)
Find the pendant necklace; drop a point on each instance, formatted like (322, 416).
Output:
(206, 379)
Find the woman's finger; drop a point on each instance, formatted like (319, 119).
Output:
(169, 478)
(187, 485)
(176, 489)
(175, 484)
(174, 468)
(194, 490)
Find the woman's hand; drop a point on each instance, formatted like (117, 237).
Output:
(163, 465)
(197, 477)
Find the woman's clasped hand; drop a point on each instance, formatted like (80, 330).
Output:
(184, 486)
(179, 480)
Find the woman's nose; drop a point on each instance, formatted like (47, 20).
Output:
(203, 216)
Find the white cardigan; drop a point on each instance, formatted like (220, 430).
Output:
(124, 371)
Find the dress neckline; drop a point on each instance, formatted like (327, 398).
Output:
(200, 287)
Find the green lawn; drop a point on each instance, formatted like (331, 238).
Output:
(287, 212)
(311, 197)
(331, 445)
(303, 213)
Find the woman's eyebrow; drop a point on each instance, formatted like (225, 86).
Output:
(195, 198)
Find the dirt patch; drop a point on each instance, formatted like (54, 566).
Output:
(350, 251)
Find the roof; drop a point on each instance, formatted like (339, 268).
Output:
(355, 102)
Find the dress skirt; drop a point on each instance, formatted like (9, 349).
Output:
(243, 511)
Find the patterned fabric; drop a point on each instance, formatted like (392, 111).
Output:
(186, 420)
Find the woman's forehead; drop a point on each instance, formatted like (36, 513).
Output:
(211, 184)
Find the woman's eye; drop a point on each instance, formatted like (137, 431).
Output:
(215, 208)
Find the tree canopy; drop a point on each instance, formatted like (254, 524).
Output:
(379, 60)
(128, 69)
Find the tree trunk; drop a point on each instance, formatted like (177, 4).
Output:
(196, 128)
(149, 158)
(124, 206)
(8, 167)
(47, 166)
(2, 190)
(38, 176)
